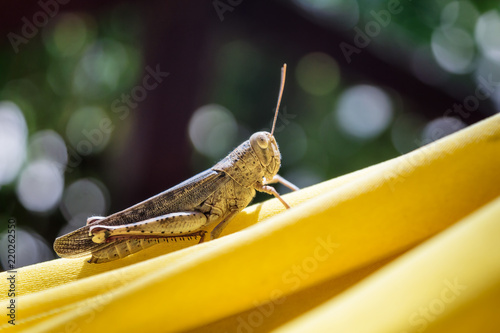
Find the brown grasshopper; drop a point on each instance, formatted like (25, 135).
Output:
(208, 200)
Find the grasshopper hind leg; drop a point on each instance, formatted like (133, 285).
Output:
(182, 224)
(121, 248)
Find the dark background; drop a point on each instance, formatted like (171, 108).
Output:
(64, 69)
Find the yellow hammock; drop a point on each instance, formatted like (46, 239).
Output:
(408, 245)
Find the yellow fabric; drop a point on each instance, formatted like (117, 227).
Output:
(408, 245)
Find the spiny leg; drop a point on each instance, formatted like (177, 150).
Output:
(118, 248)
(169, 225)
(147, 237)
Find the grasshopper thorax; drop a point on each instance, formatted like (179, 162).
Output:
(253, 160)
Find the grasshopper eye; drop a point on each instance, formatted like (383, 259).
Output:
(262, 141)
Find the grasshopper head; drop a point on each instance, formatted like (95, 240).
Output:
(265, 147)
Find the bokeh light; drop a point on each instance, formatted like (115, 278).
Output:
(82, 199)
(318, 73)
(102, 67)
(459, 14)
(69, 34)
(486, 78)
(452, 42)
(31, 248)
(439, 128)
(88, 130)
(364, 111)
(13, 136)
(454, 49)
(40, 186)
(213, 131)
(343, 14)
(49, 145)
(488, 34)
(62, 145)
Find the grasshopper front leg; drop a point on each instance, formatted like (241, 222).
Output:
(263, 187)
(169, 225)
(283, 181)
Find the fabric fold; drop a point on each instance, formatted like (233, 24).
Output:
(269, 254)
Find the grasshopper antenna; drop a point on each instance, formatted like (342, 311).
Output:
(282, 86)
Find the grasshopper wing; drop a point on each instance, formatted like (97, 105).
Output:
(183, 197)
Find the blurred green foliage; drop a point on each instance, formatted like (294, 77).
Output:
(339, 113)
